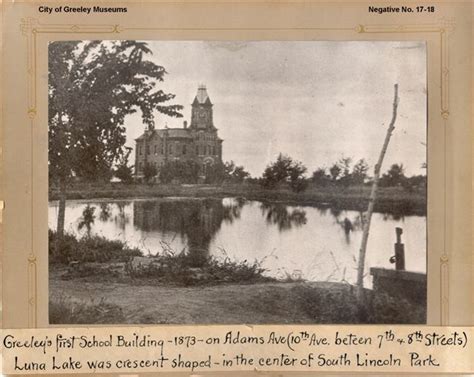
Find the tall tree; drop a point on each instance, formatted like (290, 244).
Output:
(92, 87)
(359, 172)
(373, 196)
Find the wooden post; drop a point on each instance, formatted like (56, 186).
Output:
(399, 251)
(373, 195)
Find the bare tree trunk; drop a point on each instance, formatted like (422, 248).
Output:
(373, 195)
(62, 208)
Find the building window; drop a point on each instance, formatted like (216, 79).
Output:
(141, 152)
(184, 148)
(147, 149)
(156, 149)
(197, 150)
(213, 150)
(162, 148)
(170, 149)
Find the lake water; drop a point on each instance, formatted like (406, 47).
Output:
(317, 244)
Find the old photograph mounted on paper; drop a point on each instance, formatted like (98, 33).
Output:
(195, 182)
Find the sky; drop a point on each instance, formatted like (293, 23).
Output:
(317, 101)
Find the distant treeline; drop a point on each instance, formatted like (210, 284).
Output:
(343, 173)
(284, 171)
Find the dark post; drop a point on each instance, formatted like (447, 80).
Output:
(399, 250)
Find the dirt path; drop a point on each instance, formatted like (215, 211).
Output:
(264, 303)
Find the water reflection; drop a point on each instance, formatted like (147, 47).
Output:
(104, 211)
(349, 225)
(317, 243)
(282, 216)
(196, 220)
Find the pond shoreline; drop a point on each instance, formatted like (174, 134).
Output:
(94, 280)
(391, 200)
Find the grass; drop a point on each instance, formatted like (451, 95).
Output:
(393, 200)
(65, 311)
(268, 303)
(341, 306)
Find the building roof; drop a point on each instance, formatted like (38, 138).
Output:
(202, 97)
(177, 133)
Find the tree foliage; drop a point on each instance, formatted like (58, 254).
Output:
(285, 170)
(183, 171)
(395, 176)
(93, 86)
(359, 172)
(320, 177)
(235, 173)
(149, 172)
(123, 171)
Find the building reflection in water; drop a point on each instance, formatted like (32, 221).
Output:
(198, 221)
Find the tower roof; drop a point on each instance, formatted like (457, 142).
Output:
(202, 97)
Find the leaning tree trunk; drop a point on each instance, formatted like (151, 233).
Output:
(373, 195)
(62, 208)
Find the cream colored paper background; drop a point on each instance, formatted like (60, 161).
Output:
(24, 134)
(454, 359)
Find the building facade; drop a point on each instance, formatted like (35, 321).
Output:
(197, 142)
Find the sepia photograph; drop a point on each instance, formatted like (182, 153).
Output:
(237, 182)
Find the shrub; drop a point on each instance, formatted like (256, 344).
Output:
(182, 269)
(88, 249)
(124, 173)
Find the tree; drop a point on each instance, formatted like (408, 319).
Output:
(359, 172)
(335, 172)
(395, 176)
(149, 172)
(373, 196)
(320, 177)
(239, 174)
(214, 173)
(92, 87)
(285, 170)
(345, 177)
(123, 171)
(234, 173)
(184, 171)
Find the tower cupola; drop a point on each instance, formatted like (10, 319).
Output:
(201, 112)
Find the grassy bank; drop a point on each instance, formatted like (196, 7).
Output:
(96, 281)
(393, 200)
(260, 303)
(96, 259)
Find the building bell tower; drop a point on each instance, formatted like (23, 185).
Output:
(201, 112)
